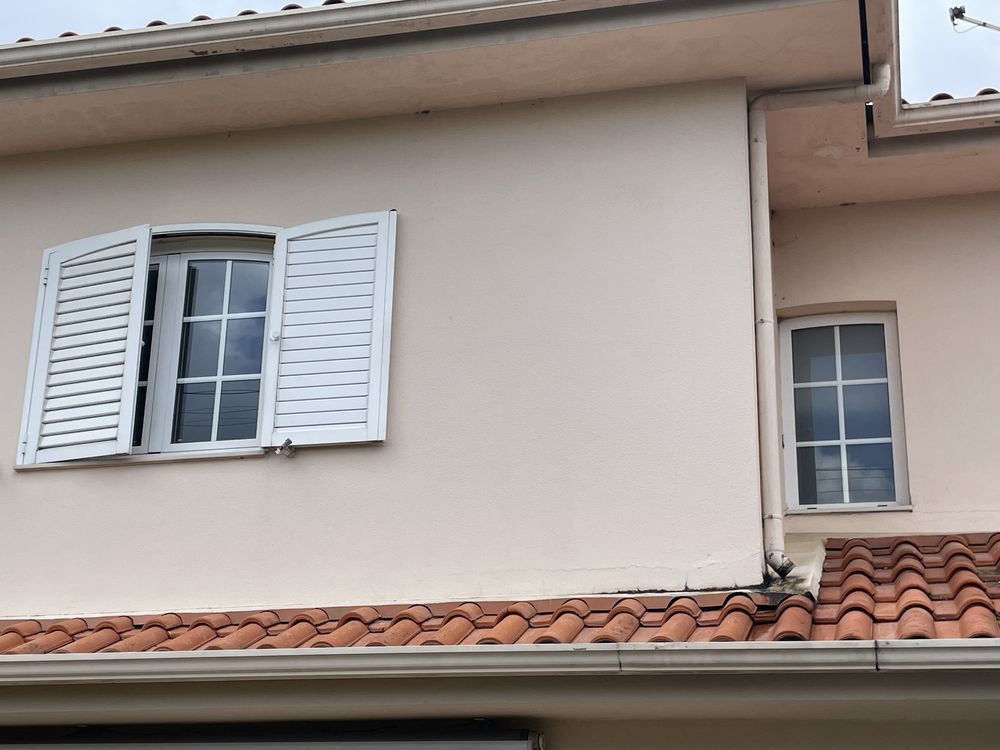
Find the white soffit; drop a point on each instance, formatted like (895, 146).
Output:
(770, 44)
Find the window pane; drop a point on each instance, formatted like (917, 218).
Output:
(140, 415)
(206, 283)
(866, 411)
(813, 355)
(862, 352)
(248, 287)
(193, 412)
(151, 281)
(238, 409)
(816, 415)
(244, 345)
(144, 352)
(200, 349)
(869, 473)
(820, 478)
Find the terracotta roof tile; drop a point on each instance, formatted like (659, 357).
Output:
(888, 588)
(201, 17)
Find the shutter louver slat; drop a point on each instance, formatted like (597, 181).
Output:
(330, 308)
(82, 383)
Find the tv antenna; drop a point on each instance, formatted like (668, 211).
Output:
(958, 13)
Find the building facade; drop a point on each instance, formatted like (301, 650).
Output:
(441, 324)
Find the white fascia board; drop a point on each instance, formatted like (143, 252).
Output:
(323, 25)
(548, 660)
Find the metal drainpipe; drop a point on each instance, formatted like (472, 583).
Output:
(768, 425)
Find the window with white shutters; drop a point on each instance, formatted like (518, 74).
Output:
(241, 341)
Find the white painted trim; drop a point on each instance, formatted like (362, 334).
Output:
(503, 661)
(31, 380)
(137, 459)
(813, 510)
(161, 231)
(387, 246)
(896, 413)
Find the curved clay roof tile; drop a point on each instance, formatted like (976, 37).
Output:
(794, 624)
(455, 630)
(347, 634)
(508, 628)
(979, 622)
(916, 623)
(677, 628)
(563, 629)
(617, 629)
(855, 625)
(735, 626)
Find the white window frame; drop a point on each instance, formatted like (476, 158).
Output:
(896, 417)
(162, 389)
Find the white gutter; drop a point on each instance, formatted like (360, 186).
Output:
(550, 660)
(768, 423)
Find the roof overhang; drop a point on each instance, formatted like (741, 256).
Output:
(384, 57)
(368, 19)
(897, 679)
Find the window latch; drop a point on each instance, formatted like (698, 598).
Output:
(286, 449)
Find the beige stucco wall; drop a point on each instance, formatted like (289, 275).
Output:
(938, 262)
(572, 392)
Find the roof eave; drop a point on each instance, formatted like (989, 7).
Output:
(368, 19)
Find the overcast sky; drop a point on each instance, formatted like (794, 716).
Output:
(934, 57)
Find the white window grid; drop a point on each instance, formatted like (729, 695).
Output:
(223, 318)
(892, 382)
(161, 394)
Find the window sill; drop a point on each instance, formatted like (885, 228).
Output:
(858, 508)
(149, 458)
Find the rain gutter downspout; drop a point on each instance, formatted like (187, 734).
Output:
(768, 424)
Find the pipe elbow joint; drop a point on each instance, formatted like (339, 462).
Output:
(780, 563)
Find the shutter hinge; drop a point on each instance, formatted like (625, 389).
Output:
(45, 276)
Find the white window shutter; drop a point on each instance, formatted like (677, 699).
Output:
(326, 378)
(80, 395)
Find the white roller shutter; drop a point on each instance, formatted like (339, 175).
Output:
(328, 331)
(80, 395)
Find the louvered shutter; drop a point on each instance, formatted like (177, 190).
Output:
(328, 331)
(80, 396)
